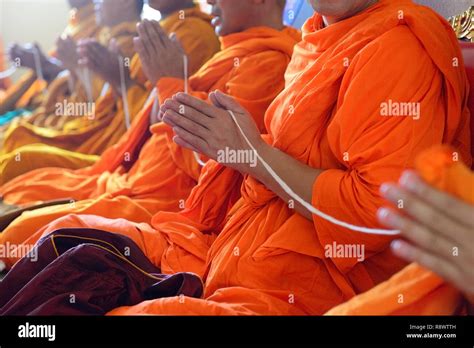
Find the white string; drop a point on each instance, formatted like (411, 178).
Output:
(7, 73)
(84, 77)
(305, 204)
(185, 64)
(156, 103)
(123, 91)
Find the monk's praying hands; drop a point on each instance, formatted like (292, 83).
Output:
(209, 129)
(160, 55)
(438, 228)
(66, 52)
(25, 56)
(102, 61)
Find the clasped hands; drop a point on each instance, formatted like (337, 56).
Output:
(208, 129)
(24, 56)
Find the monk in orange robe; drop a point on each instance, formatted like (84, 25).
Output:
(146, 173)
(331, 144)
(416, 290)
(28, 92)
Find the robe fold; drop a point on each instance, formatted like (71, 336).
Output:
(148, 170)
(268, 259)
(423, 292)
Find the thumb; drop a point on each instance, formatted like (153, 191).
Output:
(174, 38)
(224, 101)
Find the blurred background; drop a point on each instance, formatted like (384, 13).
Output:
(25, 21)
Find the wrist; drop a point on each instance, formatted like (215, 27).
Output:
(257, 170)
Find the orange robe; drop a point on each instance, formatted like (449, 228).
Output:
(416, 290)
(144, 174)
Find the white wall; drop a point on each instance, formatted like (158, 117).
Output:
(39, 21)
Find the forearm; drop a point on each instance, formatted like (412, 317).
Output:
(298, 176)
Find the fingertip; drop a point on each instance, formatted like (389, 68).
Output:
(409, 180)
(396, 246)
(383, 214)
(385, 188)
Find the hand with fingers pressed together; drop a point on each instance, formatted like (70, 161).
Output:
(66, 52)
(25, 57)
(438, 230)
(103, 61)
(208, 129)
(161, 55)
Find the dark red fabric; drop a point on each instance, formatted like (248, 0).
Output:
(98, 270)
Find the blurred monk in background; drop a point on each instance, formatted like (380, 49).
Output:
(147, 172)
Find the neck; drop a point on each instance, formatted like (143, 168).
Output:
(328, 20)
(184, 6)
(270, 21)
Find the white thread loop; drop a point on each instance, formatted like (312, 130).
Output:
(305, 204)
(123, 91)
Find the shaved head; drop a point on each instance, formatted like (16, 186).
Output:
(231, 16)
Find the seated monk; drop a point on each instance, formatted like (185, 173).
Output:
(29, 92)
(146, 172)
(334, 147)
(438, 239)
(93, 126)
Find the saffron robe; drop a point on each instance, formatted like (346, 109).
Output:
(134, 181)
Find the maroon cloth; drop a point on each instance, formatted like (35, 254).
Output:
(87, 272)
